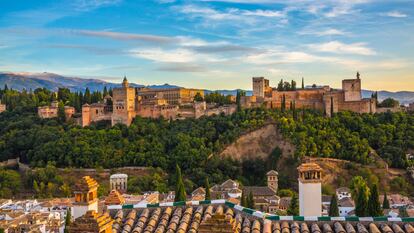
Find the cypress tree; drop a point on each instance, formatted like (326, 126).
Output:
(361, 204)
(68, 220)
(180, 194)
(105, 91)
(332, 106)
(294, 113)
(303, 83)
(374, 206)
(250, 201)
(207, 187)
(293, 209)
(61, 113)
(243, 200)
(238, 97)
(333, 207)
(385, 203)
(283, 105)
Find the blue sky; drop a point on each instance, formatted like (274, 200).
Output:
(212, 44)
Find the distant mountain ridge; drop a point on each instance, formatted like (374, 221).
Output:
(20, 81)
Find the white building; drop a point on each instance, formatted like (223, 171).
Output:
(119, 182)
(346, 207)
(343, 192)
(310, 189)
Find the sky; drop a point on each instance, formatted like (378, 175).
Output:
(213, 44)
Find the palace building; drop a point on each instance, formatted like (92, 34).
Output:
(128, 102)
(325, 98)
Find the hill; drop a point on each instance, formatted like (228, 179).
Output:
(51, 81)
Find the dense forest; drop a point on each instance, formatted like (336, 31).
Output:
(193, 144)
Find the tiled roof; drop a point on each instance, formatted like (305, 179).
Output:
(192, 216)
(258, 191)
(114, 198)
(272, 173)
(343, 190)
(309, 167)
(90, 222)
(85, 184)
(346, 202)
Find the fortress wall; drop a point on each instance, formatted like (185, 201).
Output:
(363, 106)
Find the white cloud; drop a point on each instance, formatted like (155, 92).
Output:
(341, 48)
(326, 32)
(88, 5)
(179, 55)
(395, 14)
(264, 13)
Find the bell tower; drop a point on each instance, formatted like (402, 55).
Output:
(86, 197)
(272, 180)
(310, 189)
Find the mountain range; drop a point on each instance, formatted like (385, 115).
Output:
(20, 81)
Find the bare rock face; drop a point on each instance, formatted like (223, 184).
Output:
(258, 144)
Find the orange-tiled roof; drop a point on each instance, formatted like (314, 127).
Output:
(114, 198)
(85, 184)
(309, 167)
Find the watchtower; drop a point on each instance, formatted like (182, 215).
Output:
(310, 189)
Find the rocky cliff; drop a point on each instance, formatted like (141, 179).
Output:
(258, 144)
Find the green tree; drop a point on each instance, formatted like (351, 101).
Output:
(332, 106)
(333, 207)
(250, 201)
(283, 105)
(374, 206)
(68, 220)
(293, 209)
(303, 83)
(389, 103)
(10, 183)
(180, 194)
(361, 205)
(207, 188)
(403, 212)
(243, 200)
(385, 203)
(198, 97)
(61, 112)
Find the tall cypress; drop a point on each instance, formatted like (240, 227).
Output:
(303, 83)
(332, 106)
(283, 105)
(207, 187)
(180, 194)
(243, 200)
(250, 201)
(361, 204)
(374, 206)
(333, 207)
(68, 220)
(385, 203)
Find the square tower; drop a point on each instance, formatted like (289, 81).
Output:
(352, 89)
(260, 86)
(272, 180)
(310, 189)
(86, 197)
(123, 104)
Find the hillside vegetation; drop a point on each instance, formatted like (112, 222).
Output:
(195, 144)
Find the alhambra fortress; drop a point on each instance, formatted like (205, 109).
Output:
(178, 103)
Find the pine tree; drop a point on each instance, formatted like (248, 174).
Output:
(293, 209)
(385, 203)
(333, 207)
(374, 206)
(180, 194)
(361, 204)
(68, 220)
(207, 187)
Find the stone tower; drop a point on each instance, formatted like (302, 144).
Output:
(352, 89)
(86, 196)
(123, 104)
(260, 86)
(310, 189)
(272, 180)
